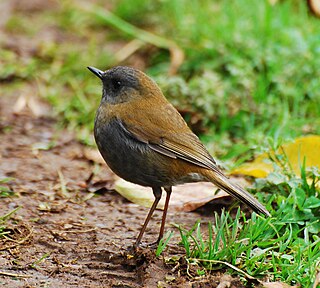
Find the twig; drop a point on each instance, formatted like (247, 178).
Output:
(176, 53)
(129, 49)
(63, 185)
(80, 231)
(227, 264)
(15, 241)
(14, 274)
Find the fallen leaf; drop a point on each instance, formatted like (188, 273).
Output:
(307, 147)
(93, 155)
(186, 197)
(225, 281)
(314, 6)
(36, 106)
(20, 104)
(277, 285)
(316, 281)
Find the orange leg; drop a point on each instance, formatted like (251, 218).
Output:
(157, 194)
(165, 210)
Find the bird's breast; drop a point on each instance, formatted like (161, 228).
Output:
(129, 158)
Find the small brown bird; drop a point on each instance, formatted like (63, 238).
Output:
(145, 140)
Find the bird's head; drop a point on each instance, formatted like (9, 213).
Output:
(124, 84)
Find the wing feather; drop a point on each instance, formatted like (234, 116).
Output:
(170, 136)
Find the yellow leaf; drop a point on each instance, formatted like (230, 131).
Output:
(307, 147)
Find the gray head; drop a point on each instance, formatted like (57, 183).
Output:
(122, 84)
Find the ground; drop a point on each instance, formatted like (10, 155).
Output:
(67, 236)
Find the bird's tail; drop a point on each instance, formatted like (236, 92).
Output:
(236, 191)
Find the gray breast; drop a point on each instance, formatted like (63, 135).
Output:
(130, 158)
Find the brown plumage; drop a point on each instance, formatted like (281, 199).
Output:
(145, 140)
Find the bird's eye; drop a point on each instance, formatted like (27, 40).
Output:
(117, 84)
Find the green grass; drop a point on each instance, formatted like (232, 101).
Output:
(283, 248)
(250, 77)
(5, 191)
(3, 222)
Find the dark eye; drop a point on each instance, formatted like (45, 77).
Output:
(116, 84)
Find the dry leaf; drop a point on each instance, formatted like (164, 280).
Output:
(314, 6)
(307, 147)
(20, 104)
(177, 58)
(186, 197)
(36, 106)
(93, 155)
(129, 49)
(225, 281)
(316, 281)
(277, 285)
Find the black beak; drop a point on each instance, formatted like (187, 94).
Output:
(96, 72)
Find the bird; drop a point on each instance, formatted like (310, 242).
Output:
(145, 140)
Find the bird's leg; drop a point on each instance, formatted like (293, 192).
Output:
(157, 194)
(165, 210)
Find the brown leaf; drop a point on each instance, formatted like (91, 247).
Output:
(186, 197)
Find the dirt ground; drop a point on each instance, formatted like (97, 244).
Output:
(66, 236)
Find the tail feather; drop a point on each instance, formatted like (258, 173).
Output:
(236, 191)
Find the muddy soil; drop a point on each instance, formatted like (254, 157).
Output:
(64, 235)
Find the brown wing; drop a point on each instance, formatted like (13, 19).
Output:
(165, 131)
